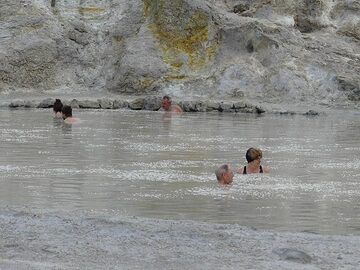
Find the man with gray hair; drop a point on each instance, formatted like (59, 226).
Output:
(224, 174)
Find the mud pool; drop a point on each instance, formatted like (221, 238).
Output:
(137, 190)
(150, 165)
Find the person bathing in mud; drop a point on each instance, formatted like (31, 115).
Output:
(166, 105)
(253, 157)
(57, 107)
(224, 174)
(67, 115)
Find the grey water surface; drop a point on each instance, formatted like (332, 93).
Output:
(148, 164)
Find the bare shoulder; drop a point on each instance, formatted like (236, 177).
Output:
(71, 120)
(240, 170)
(176, 108)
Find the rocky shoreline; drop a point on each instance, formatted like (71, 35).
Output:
(295, 52)
(153, 103)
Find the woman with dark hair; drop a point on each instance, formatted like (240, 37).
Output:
(253, 157)
(67, 115)
(57, 107)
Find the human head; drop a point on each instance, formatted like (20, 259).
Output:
(253, 154)
(57, 107)
(166, 103)
(224, 174)
(66, 111)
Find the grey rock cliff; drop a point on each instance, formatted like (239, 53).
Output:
(276, 51)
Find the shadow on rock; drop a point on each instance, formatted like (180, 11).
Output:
(293, 255)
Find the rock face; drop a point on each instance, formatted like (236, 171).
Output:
(281, 51)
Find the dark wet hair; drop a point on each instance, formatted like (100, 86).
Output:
(67, 111)
(167, 97)
(57, 107)
(253, 154)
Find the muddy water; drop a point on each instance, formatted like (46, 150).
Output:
(151, 165)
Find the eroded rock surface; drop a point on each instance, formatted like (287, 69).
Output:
(283, 51)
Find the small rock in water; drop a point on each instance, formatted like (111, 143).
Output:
(200, 106)
(225, 107)
(89, 104)
(137, 104)
(259, 110)
(286, 112)
(30, 104)
(312, 112)
(152, 103)
(188, 106)
(117, 104)
(294, 255)
(105, 103)
(74, 104)
(17, 103)
(212, 105)
(46, 103)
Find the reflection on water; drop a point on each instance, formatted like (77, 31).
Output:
(153, 165)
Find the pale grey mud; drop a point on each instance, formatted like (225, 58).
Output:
(33, 239)
(137, 190)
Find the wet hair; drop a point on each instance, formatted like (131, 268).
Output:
(167, 97)
(57, 107)
(67, 111)
(253, 154)
(221, 170)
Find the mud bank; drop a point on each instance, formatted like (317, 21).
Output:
(39, 239)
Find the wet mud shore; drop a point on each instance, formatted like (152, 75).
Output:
(41, 239)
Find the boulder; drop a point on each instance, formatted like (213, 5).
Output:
(188, 106)
(226, 107)
(89, 104)
(152, 103)
(74, 104)
(30, 104)
(17, 103)
(212, 106)
(201, 106)
(105, 103)
(137, 104)
(46, 103)
(119, 104)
